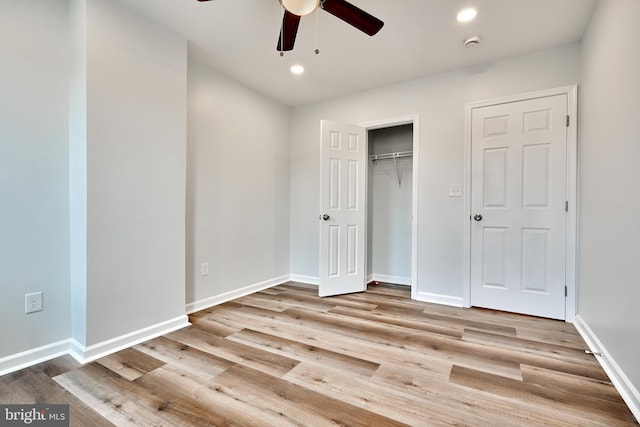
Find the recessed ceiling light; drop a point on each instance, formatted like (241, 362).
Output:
(297, 69)
(467, 15)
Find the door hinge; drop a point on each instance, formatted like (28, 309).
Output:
(566, 206)
(568, 120)
(566, 292)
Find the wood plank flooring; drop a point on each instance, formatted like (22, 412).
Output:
(284, 357)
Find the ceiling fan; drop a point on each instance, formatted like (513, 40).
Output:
(295, 9)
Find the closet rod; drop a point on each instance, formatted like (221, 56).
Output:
(395, 157)
(398, 155)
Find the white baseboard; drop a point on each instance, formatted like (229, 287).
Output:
(24, 359)
(88, 354)
(396, 280)
(620, 381)
(439, 299)
(309, 280)
(83, 354)
(236, 293)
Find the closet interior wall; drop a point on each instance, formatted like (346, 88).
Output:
(389, 209)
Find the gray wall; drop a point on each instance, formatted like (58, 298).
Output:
(34, 184)
(609, 150)
(439, 101)
(237, 187)
(93, 168)
(134, 129)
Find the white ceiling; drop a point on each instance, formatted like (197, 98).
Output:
(420, 38)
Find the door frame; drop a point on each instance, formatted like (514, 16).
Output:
(571, 241)
(412, 119)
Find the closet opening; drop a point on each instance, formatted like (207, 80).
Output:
(390, 205)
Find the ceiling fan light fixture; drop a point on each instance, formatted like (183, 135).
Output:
(467, 15)
(300, 7)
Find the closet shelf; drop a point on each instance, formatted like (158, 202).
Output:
(395, 157)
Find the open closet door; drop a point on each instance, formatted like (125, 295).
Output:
(342, 208)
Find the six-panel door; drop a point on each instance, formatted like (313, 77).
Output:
(519, 181)
(342, 208)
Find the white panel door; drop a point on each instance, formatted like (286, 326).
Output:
(342, 208)
(519, 191)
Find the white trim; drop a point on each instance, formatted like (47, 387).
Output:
(396, 280)
(76, 350)
(88, 354)
(440, 299)
(571, 307)
(572, 195)
(15, 362)
(309, 280)
(236, 293)
(84, 354)
(392, 121)
(466, 258)
(413, 119)
(621, 382)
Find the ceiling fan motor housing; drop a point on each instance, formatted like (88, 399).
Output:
(341, 9)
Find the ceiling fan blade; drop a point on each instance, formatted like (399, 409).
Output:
(353, 15)
(288, 31)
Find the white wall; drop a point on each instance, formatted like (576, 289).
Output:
(34, 196)
(440, 102)
(390, 206)
(136, 73)
(237, 188)
(609, 175)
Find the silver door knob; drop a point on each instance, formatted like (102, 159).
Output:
(325, 217)
(477, 217)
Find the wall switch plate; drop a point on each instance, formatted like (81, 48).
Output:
(204, 269)
(455, 190)
(33, 302)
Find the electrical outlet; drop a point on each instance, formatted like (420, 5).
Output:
(455, 190)
(33, 302)
(204, 269)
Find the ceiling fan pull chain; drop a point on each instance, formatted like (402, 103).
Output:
(282, 35)
(317, 50)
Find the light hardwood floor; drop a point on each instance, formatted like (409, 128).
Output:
(285, 357)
